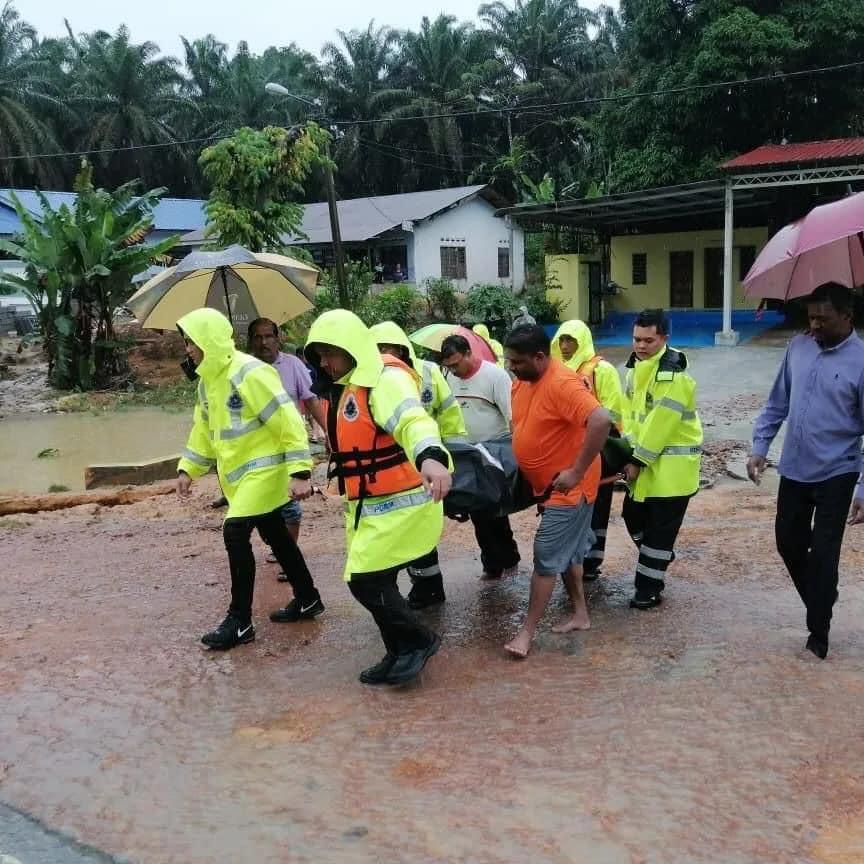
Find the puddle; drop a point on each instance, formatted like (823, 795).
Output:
(82, 440)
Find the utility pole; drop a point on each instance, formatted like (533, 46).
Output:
(335, 233)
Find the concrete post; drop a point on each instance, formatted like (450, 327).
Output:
(727, 336)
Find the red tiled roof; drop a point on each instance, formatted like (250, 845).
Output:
(805, 151)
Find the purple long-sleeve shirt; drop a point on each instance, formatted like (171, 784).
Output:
(820, 394)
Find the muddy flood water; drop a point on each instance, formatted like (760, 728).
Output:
(82, 439)
(696, 732)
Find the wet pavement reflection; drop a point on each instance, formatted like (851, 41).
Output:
(696, 732)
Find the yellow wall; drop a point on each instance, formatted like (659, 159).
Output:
(568, 275)
(656, 292)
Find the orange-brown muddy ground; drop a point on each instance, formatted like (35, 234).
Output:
(697, 732)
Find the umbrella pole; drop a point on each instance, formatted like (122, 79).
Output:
(227, 301)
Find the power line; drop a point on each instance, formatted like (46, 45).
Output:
(126, 149)
(620, 97)
(495, 111)
(370, 145)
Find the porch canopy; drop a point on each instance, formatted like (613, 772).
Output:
(753, 187)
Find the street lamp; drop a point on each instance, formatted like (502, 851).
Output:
(275, 89)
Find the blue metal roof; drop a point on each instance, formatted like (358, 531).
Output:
(170, 214)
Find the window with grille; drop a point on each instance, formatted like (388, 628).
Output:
(503, 262)
(746, 257)
(640, 268)
(453, 264)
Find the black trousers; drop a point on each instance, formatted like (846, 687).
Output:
(400, 628)
(426, 567)
(811, 519)
(653, 525)
(599, 525)
(271, 526)
(498, 549)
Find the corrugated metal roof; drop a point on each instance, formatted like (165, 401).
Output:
(362, 219)
(834, 150)
(173, 215)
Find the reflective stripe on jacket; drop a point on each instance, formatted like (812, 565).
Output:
(662, 425)
(244, 422)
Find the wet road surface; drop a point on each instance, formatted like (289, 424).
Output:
(696, 732)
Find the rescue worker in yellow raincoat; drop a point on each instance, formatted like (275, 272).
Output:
(427, 581)
(662, 425)
(574, 346)
(483, 332)
(393, 471)
(246, 426)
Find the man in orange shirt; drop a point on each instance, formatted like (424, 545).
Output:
(559, 429)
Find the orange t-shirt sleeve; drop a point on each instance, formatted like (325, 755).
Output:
(576, 401)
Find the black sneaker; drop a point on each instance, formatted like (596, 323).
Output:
(420, 596)
(297, 611)
(377, 674)
(230, 633)
(646, 599)
(408, 666)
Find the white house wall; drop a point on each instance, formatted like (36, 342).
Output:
(472, 224)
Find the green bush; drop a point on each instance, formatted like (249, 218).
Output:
(442, 299)
(399, 304)
(491, 302)
(546, 311)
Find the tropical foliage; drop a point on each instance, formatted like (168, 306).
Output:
(78, 265)
(539, 96)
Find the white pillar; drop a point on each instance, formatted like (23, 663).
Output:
(727, 336)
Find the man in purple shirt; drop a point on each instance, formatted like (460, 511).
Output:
(819, 392)
(264, 344)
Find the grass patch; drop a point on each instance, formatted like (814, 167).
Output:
(58, 487)
(11, 524)
(174, 397)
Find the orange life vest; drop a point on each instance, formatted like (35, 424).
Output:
(365, 458)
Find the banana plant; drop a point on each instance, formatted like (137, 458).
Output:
(78, 266)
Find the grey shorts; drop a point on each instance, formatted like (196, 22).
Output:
(563, 537)
(292, 512)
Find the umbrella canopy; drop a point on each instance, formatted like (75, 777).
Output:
(827, 245)
(432, 335)
(243, 285)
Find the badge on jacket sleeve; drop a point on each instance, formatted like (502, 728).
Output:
(350, 411)
(235, 403)
(426, 396)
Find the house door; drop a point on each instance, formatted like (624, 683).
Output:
(595, 293)
(681, 279)
(713, 278)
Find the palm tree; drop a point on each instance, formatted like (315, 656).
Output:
(27, 101)
(125, 95)
(438, 66)
(356, 73)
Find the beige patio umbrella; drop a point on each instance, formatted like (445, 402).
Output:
(243, 285)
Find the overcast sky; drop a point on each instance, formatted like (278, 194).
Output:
(260, 22)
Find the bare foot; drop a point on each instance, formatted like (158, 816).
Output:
(577, 621)
(520, 645)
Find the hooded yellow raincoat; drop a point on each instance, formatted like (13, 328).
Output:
(392, 530)
(245, 424)
(435, 393)
(606, 382)
(662, 424)
(483, 332)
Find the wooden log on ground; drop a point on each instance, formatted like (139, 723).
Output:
(38, 503)
(132, 473)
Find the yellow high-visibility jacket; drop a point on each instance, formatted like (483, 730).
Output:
(662, 424)
(483, 331)
(245, 424)
(392, 530)
(605, 379)
(435, 393)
